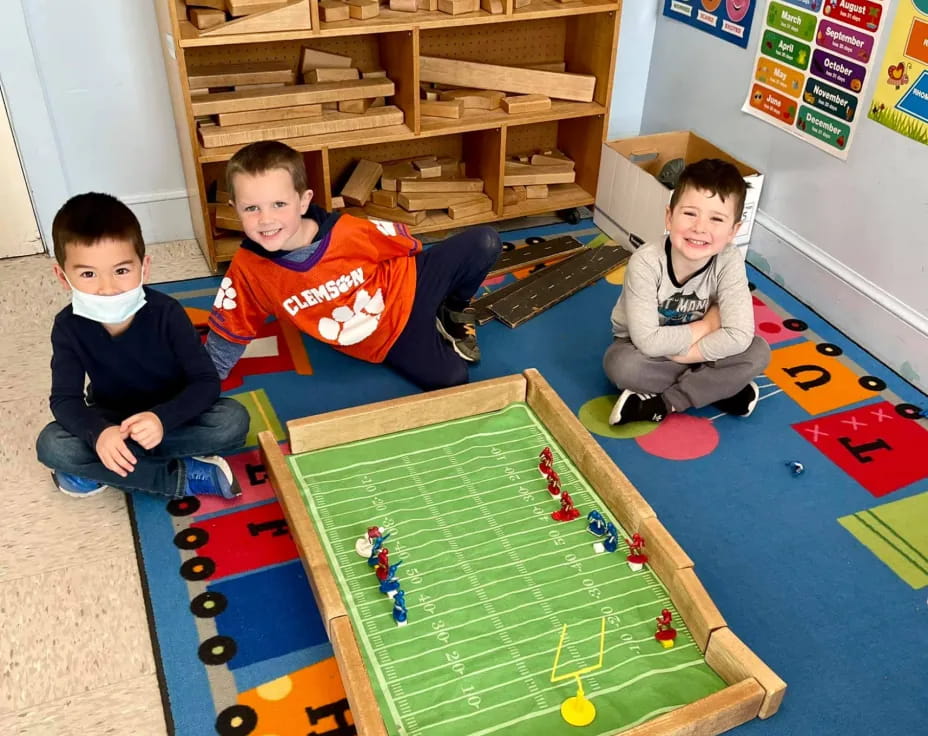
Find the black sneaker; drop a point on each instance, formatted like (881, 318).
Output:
(742, 403)
(632, 407)
(460, 329)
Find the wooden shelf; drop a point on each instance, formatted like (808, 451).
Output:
(581, 35)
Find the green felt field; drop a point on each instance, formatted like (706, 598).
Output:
(490, 579)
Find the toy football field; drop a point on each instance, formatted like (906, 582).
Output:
(490, 579)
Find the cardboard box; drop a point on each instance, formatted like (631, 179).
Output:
(631, 202)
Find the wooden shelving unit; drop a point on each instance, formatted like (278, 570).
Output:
(582, 33)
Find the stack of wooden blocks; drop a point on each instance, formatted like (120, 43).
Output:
(332, 11)
(410, 188)
(239, 104)
(529, 176)
(224, 17)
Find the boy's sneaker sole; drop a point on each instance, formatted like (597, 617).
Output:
(74, 493)
(231, 489)
(466, 349)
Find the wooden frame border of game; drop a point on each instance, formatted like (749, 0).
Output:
(754, 690)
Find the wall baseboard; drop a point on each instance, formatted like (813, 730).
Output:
(164, 216)
(888, 328)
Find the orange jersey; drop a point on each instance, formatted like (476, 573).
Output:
(355, 292)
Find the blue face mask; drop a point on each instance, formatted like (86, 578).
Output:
(110, 310)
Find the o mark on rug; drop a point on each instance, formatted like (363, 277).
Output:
(681, 437)
(275, 689)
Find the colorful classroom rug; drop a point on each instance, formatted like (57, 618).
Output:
(823, 573)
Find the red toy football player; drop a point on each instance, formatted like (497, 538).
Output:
(567, 512)
(665, 632)
(554, 483)
(636, 557)
(383, 557)
(546, 460)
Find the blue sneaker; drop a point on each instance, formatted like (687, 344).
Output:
(76, 486)
(210, 475)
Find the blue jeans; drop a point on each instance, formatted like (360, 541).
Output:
(161, 470)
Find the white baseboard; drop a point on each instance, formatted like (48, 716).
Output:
(164, 216)
(888, 328)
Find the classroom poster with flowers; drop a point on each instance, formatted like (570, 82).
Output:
(814, 60)
(900, 91)
(729, 20)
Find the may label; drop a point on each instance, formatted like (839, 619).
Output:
(821, 126)
(830, 99)
(852, 43)
(839, 70)
(773, 103)
(864, 14)
(785, 49)
(791, 20)
(778, 76)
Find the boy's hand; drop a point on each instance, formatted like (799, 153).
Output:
(145, 428)
(113, 452)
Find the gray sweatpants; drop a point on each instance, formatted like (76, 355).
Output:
(684, 386)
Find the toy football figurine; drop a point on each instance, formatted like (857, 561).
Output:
(611, 541)
(596, 524)
(665, 632)
(636, 557)
(567, 512)
(545, 461)
(399, 608)
(388, 583)
(365, 544)
(554, 483)
(377, 549)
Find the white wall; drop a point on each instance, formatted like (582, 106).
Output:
(861, 225)
(633, 61)
(106, 121)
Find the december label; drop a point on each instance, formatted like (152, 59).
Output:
(793, 52)
(822, 127)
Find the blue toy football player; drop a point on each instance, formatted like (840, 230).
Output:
(389, 585)
(399, 608)
(611, 542)
(375, 549)
(596, 524)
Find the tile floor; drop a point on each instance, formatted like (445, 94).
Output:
(75, 653)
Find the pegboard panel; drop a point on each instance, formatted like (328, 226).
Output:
(363, 50)
(343, 160)
(527, 42)
(531, 138)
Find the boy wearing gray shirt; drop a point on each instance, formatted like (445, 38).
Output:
(684, 323)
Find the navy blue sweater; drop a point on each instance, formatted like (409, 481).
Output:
(158, 364)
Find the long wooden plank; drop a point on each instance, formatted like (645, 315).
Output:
(733, 660)
(524, 174)
(437, 201)
(372, 420)
(330, 121)
(664, 554)
(325, 589)
(701, 615)
(247, 7)
(530, 255)
(440, 185)
(311, 58)
(392, 214)
(622, 498)
(294, 16)
(561, 85)
(298, 94)
(364, 709)
(273, 114)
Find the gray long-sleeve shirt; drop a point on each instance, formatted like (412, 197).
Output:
(654, 309)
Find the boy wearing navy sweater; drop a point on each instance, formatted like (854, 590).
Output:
(151, 418)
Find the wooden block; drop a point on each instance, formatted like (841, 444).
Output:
(355, 106)
(215, 4)
(338, 203)
(230, 75)
(475, 99)
(694, 604)
(222, 196)
(204, 18)
(578, 87)
(419, 186)
(548, 251)
(536, 191)
(290, 17)
(553, 158)
(451, 167)
(226, 217)
(664, 554)
(494, 7)
(514, 195)
(716, 713)
(394, 214)
(527, 174)
(343, 74)
(404, 6)
(431, 5)
(522, 3)
(435, 201)
(734, 661)
(429, 94)
(329, 106)
(427, 167)
(457, 7)
(378, 102)
(365, 712)
(469, 209)
(362, 182)
(199, 91)
(374, 74)
(297, 94)
(383, 198)
(396, 170)
(363, 9)
(547, 66)
(328, 122)
(273, 114)
(248, 7)
(313, 59)
(525, 103)
(332, 11)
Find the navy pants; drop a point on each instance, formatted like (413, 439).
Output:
(160, 470)
(451, 272)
